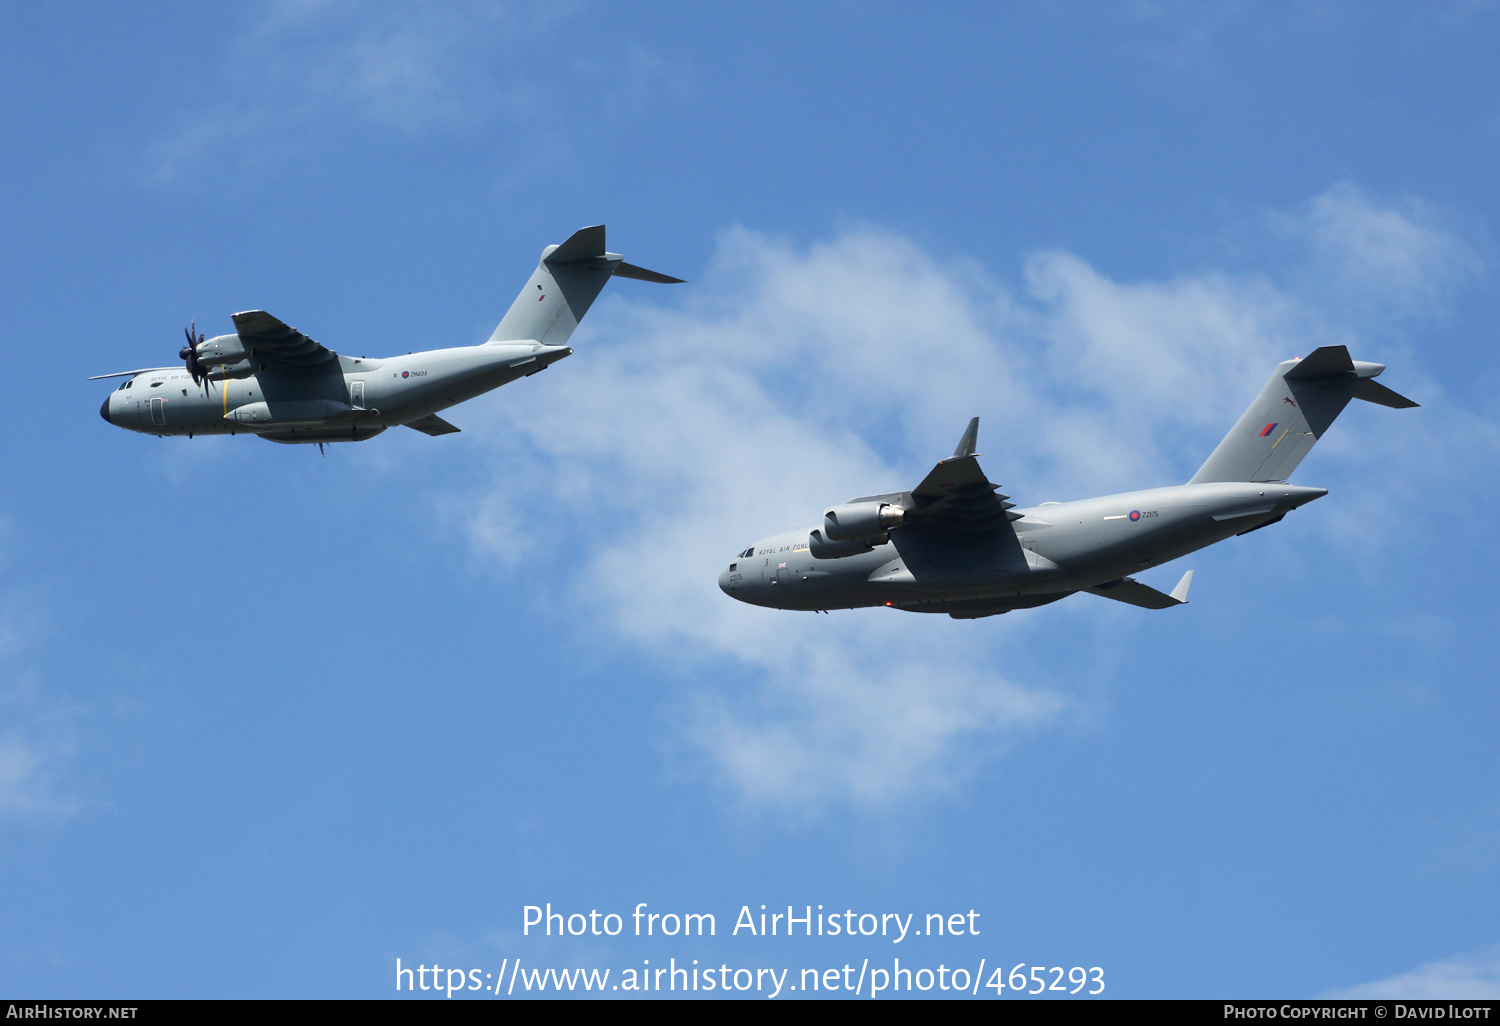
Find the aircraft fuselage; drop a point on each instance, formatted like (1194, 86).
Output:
(1057, 549)
(348, 399)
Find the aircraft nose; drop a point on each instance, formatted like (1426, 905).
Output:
(104, 410)
(736, 590)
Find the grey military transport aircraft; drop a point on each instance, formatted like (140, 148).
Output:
(953, 545)
(271, 380)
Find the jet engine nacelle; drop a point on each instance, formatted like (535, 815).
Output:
(222, 349)
(821, 548)
(856, 520)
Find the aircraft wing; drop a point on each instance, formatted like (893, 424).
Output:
(957, 495)
(271, 341)
(1133, 592)
(432, 424)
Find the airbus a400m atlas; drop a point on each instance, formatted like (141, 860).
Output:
(953, 545)
(271, 380)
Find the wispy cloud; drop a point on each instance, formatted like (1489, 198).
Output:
(1371, 259)
(1472, 976)
(799, 375)
(304, 74)
(28, 789)
(35, 739)
(398, 67)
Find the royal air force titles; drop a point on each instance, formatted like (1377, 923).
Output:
(767, 922)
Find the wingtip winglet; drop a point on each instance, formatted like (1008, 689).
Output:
(967, 443)
(1180, 593)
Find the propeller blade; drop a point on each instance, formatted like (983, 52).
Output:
(189, 353)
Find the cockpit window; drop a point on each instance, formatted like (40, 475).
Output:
(123, 386)
(732, 566)
(130, 383)
(748, 552)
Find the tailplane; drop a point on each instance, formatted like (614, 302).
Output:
(560, 292)
(1294, 409)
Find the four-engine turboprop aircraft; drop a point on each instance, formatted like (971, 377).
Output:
(952, 545)
(271, 380)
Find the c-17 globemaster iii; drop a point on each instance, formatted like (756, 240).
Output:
(953, 545)
(271, 380)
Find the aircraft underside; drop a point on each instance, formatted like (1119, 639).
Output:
(971, 609)
(308, 435)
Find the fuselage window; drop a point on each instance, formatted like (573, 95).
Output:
(732, 566)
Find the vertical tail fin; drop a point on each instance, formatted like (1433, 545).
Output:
(563, 287)
(1291, 413)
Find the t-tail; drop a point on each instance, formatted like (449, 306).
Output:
(567, 279)
(1294, 409)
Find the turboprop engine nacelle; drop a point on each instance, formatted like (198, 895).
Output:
(222, 349)
(243, 369)
(857, 520)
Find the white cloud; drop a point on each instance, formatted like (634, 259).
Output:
(1371, 260)
(27, 787)
(36, 736)
(35, 739)
(797, 376)
(1473, 976)
(305, 68)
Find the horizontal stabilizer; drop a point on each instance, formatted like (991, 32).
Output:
(434, 425)
(641, 274)
(1374, 392)
(584, 244)
(1133, 592)
(1321, 362)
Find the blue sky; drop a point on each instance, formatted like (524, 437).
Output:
(269, 721)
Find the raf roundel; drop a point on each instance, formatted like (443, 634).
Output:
(406, 374)
(1135, 515)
